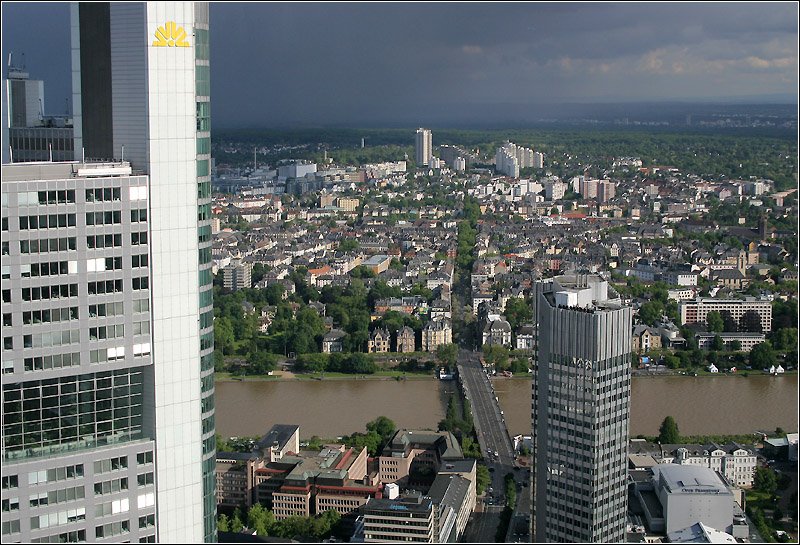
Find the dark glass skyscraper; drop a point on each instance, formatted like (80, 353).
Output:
(580, 411)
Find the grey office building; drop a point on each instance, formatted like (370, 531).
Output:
(77, 440)
(580, 411)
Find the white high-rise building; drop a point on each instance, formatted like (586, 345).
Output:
(580, 411)
(152, 108)
(554, 190)
(114, 335)
(538, 160)
(510, 158)
(423, 147)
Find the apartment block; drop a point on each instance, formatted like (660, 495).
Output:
(696, 311)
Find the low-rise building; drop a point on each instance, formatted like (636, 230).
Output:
(235, 471)
(525, 339)
(677, 496)
(378, 263)
(496, 332)
(696, 311)
(645, 338)
(379, 341)
(436, 333)
(406, 340)
(746, 340)
(736, 462)
(454, 493)
(333, 341)
(409, 450)
(334, 478)
(409, 518)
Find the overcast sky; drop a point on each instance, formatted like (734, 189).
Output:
(352, 63)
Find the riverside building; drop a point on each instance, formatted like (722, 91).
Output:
(580, 411)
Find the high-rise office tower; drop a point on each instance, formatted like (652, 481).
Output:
(110, 386)
(580, 411)
(28, 134)
(423, 147)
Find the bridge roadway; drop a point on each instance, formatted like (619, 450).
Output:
(496, 447)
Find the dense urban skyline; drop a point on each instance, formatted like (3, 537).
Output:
(340, 63)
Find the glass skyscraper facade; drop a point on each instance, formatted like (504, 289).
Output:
(580, 411)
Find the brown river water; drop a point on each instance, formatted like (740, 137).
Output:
(700, 405)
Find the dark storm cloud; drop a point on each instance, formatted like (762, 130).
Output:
(316, 63)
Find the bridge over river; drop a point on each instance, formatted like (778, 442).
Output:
(497, 449)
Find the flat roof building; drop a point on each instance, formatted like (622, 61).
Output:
(696, 311)
(407, 518)
(78, 364)
(580, 411)
(679, 496)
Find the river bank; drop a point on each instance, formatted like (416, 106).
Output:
(288, 376)
(284, 376)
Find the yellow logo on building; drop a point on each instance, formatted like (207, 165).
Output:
(170, 35)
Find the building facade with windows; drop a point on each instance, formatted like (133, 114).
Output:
(580, 411)
(741, 311)
(78, 447)
(141, 382)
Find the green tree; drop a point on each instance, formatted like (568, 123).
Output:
(517, 312)
(764, 480)
(735, 345)
(717, 343)
(482, 478)
(672, 361)
(260, 520)
(223, 523)
(447, 354)
(762, 356)
(348, 245)
(785, 339)
(236, 524)
(223, 335)
(714, 322)
(221, 444)
(668, 432)
(650, 313)
(383, 426)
